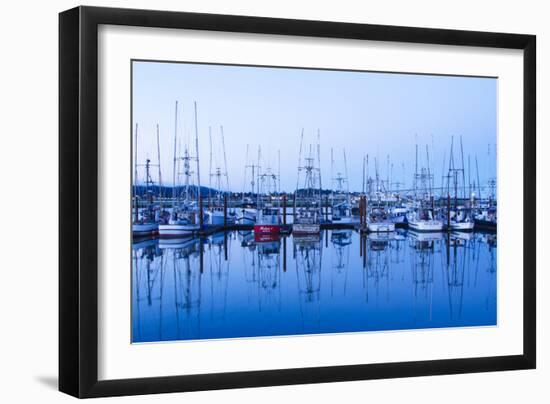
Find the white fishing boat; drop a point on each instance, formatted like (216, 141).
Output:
(306, 228)
(461, 226)
(185, 215)
(381, 227)
(246, 216)
(175, 228)
(459, 217)
(378, 221)
(426, 225)
(145, 218)
(217, 217)
(307, 217)
(341, 211)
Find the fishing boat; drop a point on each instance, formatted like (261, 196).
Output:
(268, 221)
(341, 209)
(422, 217)
(217, 210)
(247, 212)
(185, 214)
(398, 214)
(269, 213)
(459, 217)
(307, 217)
(425, 225)
(461, 220)
(378, 222)
(246, 215)
(486, 219)
(145, 219)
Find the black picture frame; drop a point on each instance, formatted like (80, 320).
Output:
(78, 201)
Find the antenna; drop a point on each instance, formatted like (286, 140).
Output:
(174, 184)
(224, 158)
(197, 150)
(299, 161)
(160, 175)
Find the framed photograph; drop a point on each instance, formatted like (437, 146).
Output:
(251, 201)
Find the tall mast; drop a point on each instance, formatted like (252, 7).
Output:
(210, 165)
(244, 178)
(429, 176)
(387, 172)
(347, 178)
(319, 163)
(415, 169)
(299, 162)
(469, 180)
(197, 150)
(159, 170)
(477, 174)
(279, 171)
(174, 185)
(332, 171)
(224, 159)
(258, 179)
(463, 174)
(367, 175)
(136, 173)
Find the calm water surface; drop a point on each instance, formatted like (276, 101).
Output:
(228, 285)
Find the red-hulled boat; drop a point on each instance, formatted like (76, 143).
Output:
(269, 221)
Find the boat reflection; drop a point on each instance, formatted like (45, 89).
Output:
(232, 284)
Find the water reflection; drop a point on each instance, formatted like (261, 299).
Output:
(233, 285)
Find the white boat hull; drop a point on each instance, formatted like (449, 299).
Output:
(144, 229)
(381, 227)
(246, 216)
(462, 226)
(426, 225)
(177, 230)
(306, 228)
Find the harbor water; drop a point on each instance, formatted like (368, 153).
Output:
(231, 285)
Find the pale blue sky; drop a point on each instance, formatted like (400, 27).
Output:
(366, 113)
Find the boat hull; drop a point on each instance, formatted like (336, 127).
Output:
(381, 227)
(246, 217)
(462, 226)
(177, 230)
(144, 229)
(267, 229)
(485, 225)
(306, 228)
(426, 225)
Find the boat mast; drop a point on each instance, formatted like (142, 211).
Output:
(258, 179)
(244, 178)
(136, 217)
(319, 164)
(159, 170)
(332, 174)
(415, 170)
(210, 166)
(347, 178)
(174, 185)
(463, 174)
(279, 169)
(477, 175)
(299, 162)
(197, 152)
(224, 159)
